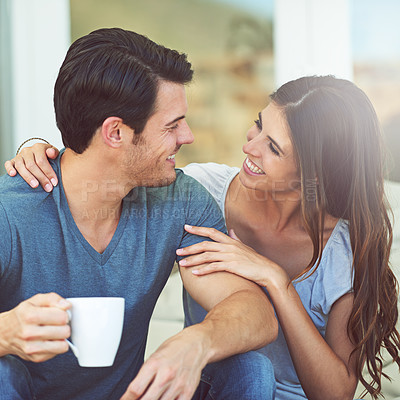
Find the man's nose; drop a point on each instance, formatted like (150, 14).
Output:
(185, 134)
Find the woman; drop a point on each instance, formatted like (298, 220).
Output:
(309, 208)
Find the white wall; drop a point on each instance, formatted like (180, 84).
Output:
(40, 37)
(312, 37)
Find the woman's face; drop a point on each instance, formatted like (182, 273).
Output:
(270, 164)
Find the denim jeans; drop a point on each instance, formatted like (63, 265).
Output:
(15, 380)
(246, 376)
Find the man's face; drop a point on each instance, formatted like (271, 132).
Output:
(150, 160)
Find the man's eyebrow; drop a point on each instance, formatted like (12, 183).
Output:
(175, 120)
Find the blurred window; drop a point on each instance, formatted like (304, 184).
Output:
(376, 54)
(6, 146)
(229, 43)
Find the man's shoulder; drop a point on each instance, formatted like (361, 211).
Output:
(214, 177)
(190, 186)
(184, 193)
(182, 184)
(12, 187)
(14, 190)
(16, 194)
(185, 180)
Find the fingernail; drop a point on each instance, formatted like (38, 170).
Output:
(54, 181)
(34, 183)
(182, 262)
(48, 187)
(179, 251)
(195, 272)
(63, 303)
(188, 226)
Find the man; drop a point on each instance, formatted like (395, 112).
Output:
(111, 228)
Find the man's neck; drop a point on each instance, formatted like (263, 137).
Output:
(94, 196)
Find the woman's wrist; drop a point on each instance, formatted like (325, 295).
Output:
(38, 139)
(281, 289)
(277, 277)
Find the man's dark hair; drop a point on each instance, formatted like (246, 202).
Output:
(112, 72)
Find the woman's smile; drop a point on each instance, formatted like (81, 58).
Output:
(251, 168)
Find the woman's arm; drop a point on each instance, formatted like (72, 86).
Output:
(323, 366)
(33, 165)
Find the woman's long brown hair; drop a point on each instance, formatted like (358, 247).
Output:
(338, 143)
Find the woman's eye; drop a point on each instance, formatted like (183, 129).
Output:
(273, 149)
(258, 124)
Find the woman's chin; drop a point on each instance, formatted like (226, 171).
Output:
(252, 182)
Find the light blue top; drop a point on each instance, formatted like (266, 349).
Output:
(318, 292)
(42, 250)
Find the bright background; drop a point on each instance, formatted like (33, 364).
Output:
(240, 50)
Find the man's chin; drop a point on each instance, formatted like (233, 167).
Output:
(160, 182)
(152, 180)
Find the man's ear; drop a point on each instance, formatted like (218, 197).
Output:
(113, 131)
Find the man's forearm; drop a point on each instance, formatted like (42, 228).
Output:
(242, 322)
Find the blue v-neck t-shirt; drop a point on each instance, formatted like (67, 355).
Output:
(42, 251)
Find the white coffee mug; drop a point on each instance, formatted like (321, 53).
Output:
(96, 329)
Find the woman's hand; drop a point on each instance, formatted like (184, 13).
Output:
(33, 165)
(228, 253)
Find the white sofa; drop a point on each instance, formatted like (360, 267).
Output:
(167, 318)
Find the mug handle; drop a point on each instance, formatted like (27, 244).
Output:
(73, 348)
(71, 345)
